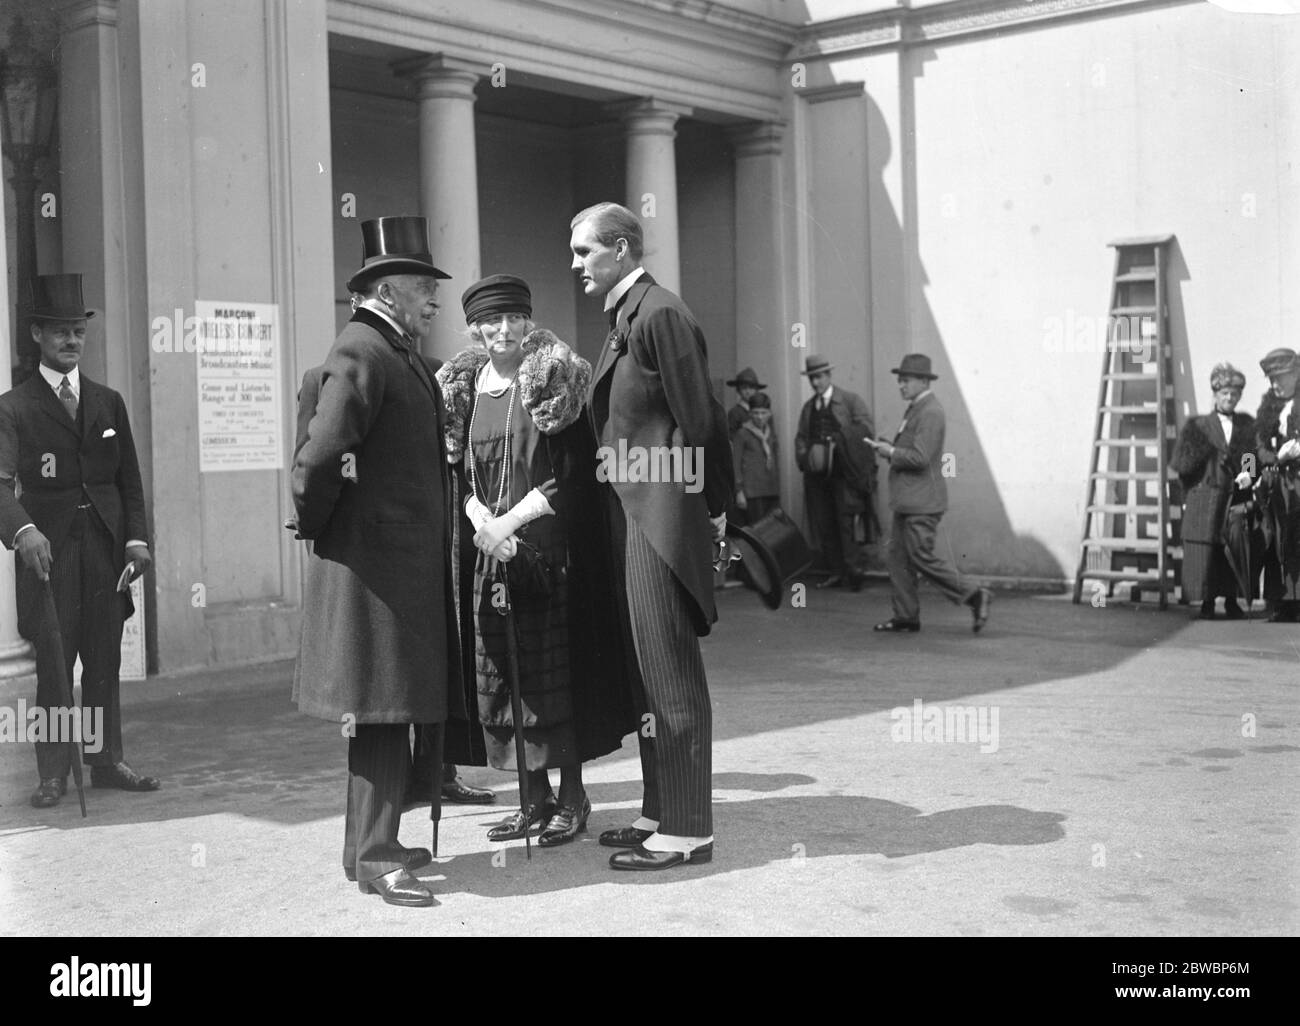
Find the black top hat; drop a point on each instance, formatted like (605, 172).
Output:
(815, 365)
(772, 551)
(1279, 361)
(394, 245)
(57, 297)
(497, 294)
(915, 365)
(746, 377)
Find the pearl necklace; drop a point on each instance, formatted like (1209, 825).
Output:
(499, 507)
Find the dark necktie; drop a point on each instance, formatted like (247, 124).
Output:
(68, 397)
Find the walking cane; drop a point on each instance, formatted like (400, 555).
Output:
(516, 707)
(434, 735)
(54, 642)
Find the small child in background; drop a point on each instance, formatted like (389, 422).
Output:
(755, 452)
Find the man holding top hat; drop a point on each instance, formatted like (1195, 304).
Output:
(379, 644)
(918, 498)
(650, 389)
(838, 471)
(80, 525)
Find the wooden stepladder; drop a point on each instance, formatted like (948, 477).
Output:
(1130, 520)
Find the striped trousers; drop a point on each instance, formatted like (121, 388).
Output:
(677, 741)
(379, 757)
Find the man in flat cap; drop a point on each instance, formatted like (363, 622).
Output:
(80, 522)
(839, 474)
(918, 497)
(379, 644)
(1277, 428)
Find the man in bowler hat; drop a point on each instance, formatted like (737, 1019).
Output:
(79, 525)
(838, 471)
(650, 388)
(379, 644)
(918, 498)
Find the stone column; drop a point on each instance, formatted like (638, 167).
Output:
(448, 184)
(650, 129)
(763, 334)
(17, 667)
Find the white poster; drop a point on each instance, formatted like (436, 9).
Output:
(133, 667)
(238, 349)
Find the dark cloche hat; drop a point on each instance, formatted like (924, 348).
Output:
(746, 377)
(915, 365)
(497, 294)
(1279, 361)
(57, 297)
(394, 245)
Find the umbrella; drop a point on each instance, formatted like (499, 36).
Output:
(434, 734)
(55, 645)
(516, 704)
(1236, 544)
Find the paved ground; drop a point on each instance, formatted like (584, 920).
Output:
(1126, 795)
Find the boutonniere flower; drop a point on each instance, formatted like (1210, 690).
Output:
(617, 339)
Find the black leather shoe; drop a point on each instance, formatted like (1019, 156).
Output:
(624, 837)
(899, 625)
(122, 777)
(49, 791)
(399, 888)
(1206, 611)
(456, 790)
(856, 580)
(639, 858)
(833, 581)
(517, 824)
(980, 604)
(565, 825)
(1283, 614)
(1232, 611)
(412, 859)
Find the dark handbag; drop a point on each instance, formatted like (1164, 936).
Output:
(531, 574)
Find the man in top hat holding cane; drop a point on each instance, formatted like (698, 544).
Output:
(80, 526)
(918, 497)
(379, 642)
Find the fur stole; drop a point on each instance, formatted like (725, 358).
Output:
(1195, 448)
(1268, 424)
(553, 382)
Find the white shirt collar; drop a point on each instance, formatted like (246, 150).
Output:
(825, 398)
(620, 290)
(379, 311)
(919, 397)
(54, 378)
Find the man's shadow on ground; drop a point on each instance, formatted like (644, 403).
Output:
(750, 833)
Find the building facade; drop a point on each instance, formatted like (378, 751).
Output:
(858, 180)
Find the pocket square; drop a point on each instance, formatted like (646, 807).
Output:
(108, 433)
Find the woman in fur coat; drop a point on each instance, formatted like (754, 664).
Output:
(514, 400)
(1215, 458)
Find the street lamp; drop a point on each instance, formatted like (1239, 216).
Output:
(28, 101)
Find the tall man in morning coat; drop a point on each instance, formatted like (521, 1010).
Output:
(80, 520)
(918, 497)
(379, 642)
(650, 390)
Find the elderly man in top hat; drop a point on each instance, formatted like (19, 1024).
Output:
(379, 644)
(747, 385)
(1277, 427)
(918, 498)
(80, 525)
(838, 471)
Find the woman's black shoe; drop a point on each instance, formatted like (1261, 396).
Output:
(517, 824)
(567, 823)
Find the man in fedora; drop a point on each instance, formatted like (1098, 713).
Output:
(80, 523)
(379, 646)
(838, 471)
(918, 498)
(747, 385)
(650, 385)
(1277, 428)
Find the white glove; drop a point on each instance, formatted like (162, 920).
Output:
(478, 513)
(505, 552)
(1243, 479)
(1289, 451)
